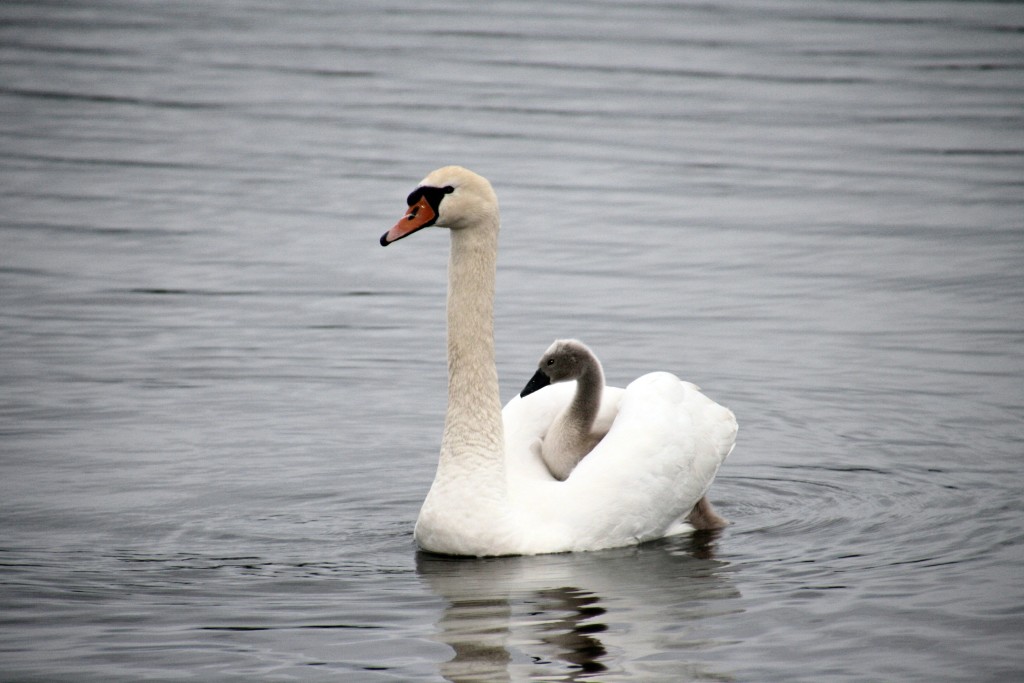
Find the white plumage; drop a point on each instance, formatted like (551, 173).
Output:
(492, 493)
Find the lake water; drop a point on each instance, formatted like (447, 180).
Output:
(221, 401)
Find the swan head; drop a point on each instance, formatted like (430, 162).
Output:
(565, 360)
(450, 197)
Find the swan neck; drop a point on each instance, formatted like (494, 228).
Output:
(473, 425)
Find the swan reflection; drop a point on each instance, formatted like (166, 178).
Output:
(575, 634)
(571, 617)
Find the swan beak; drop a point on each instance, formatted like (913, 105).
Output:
(420, 215)
(538, 381)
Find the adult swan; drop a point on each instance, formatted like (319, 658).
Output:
(492, 494)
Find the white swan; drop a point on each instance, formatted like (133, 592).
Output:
(492, 493)
(577, 430)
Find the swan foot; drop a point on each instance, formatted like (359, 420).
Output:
(703, 516)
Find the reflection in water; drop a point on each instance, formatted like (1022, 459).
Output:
(516, 617)
(574, 634)
(481, 650)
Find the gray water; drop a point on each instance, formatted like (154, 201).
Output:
(221, 401)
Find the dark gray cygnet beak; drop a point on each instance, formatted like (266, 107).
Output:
(538, 381)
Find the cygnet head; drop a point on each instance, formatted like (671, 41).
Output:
(450, 197)
(565, 360)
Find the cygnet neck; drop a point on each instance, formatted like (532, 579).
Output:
(587, 400)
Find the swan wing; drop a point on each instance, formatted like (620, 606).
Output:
(660, 455)
(526, 422)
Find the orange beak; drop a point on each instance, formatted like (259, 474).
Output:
(420, 215)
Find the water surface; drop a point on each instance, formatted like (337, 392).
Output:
(221, 400)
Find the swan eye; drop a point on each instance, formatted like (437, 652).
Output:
(551, 361)
(433, 195)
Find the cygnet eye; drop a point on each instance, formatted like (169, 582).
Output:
(551, 361)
